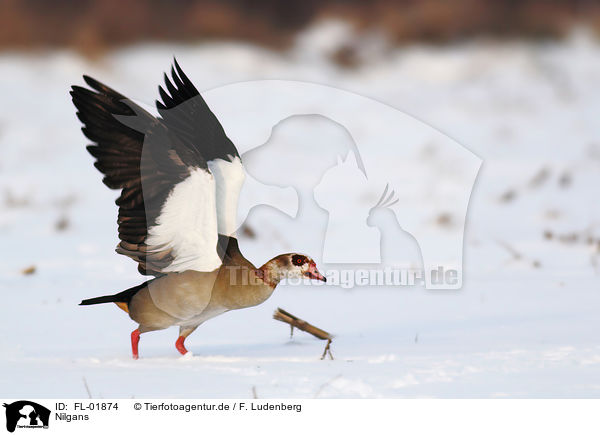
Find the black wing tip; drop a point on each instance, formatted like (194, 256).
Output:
(176, 66)
(177, 89)
(77, 90)
(97, 88)
(184, 78)
(160, 105)
(166, 98)
(92, 82)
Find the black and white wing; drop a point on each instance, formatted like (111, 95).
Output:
(186, 114)
(168, 203)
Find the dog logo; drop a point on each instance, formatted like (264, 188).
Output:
(26, 414)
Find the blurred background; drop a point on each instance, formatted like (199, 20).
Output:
(91, 26)
(515, 82)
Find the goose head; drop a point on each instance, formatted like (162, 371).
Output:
(291, 265)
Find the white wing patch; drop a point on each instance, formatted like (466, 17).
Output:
(229, 179)
(188, 225)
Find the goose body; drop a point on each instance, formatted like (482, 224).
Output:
(180, 178)
(189, 298)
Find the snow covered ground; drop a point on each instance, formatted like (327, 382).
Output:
(525, 324)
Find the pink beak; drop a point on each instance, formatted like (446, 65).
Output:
(313, 273)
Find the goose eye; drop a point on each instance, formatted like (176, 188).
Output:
(297, 260)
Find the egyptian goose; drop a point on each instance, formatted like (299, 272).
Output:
(180, 178)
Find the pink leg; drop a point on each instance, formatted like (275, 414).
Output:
(179, 345)
(135, 339)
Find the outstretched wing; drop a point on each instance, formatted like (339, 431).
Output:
(186, 114)
(167, 210)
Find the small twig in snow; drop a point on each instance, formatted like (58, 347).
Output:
(293, 321)
(517, 256)
(87, 388)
